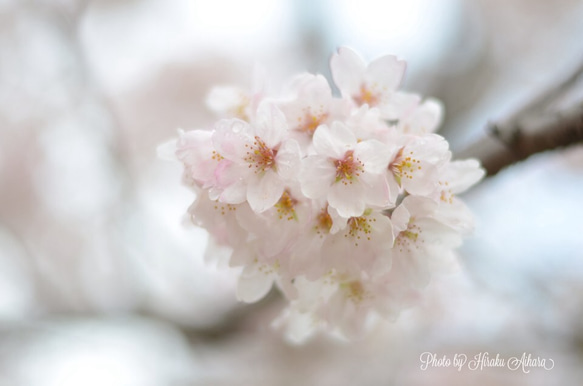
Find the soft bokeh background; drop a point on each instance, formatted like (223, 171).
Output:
(101, 283)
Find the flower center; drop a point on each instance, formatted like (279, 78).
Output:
(360, 227)
(348, 168)
(286, 206)
(224, 208)
(311, 121)
(354, 290)
(260, 156)
(367, 96)
(404, 165)
(409, 238)
(240, 109)
(446, 194)
(268, 269)
(323, 222)
(217, 157)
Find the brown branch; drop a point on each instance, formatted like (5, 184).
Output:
(535, 128)
(507, 145)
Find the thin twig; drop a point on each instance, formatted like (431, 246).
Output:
(532, 129)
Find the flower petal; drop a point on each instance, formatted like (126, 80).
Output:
(376, 192)
(393, 187)
(347, 70)
(229, 186)
(419, 206)
(253, 285)
(386, 72)
(230, 138)
(456, 215)
(347, 199)
(233, 194)
(288, 159)
(427, 118)
(271, 124)
(399, 105)
(333, 142)
(400, 218)
(374, 154)
(223, 99)
(265, 191)
(462, 174)
(167, 150)
(195, 149)
(317, 174)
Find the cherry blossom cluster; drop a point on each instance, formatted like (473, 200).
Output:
(346, 202)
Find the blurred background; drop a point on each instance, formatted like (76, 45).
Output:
(101, 280)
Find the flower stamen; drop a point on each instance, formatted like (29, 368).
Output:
(286, 206)
(410, 237)
(348, 168)
(240, 109)
(403, 166)
(260, 156)
(310, 121)
(323, 222)
(367, 96)
(354, 290)
(446, 194)
(360, 227)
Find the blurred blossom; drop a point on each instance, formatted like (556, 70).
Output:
(16, 286)
(122, 352)
(77, 177)
(184, 30)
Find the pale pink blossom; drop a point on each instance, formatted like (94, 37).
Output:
(312, 105)
(195, 150)
(422, 241)
(374, 84)
(348, 205)
(257, 159)
(415, 163)
(348, 173)
(281, 226)
(366, 123)
(456, 177)
(219, 219)
(230, 101)
(260, 273)
(422, 118)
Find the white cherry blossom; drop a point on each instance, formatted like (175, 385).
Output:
(348, 173)
(349, 205)
(373, 84)
(257, 159)
(422, 241)
(422, 118)
(312, 105)
(229, 101)
(415, 163)
(195, 149)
